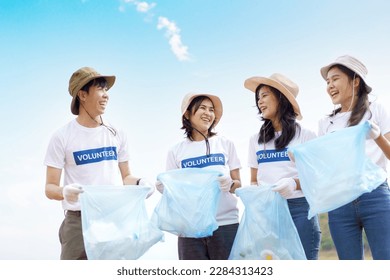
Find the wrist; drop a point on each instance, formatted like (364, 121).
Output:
(294, 183)
(233, 186)
(61, 192)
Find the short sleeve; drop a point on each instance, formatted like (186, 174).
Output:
(55, 153)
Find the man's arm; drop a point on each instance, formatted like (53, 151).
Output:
(53, 190)
(127, 178)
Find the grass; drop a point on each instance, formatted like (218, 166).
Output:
(327, 249)
(332, 255)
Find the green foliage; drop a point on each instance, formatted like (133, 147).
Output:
(327, 248)
(326, 239)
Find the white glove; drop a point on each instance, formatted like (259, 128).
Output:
(71, 193)
(159, 186)
(146, 183)
(225, 183)
(285, 187)
(374, 132)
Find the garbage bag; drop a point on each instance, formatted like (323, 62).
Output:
(267, 230)
(334, 170)
(115, 222)
(189, 202)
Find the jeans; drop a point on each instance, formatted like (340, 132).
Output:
(215, 247)
(371, 212)
(309, 230)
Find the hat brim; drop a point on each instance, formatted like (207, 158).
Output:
(254, 82)
(324, 72)
(110, 82)
(218, 109)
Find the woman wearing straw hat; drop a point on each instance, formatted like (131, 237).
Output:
(268, 159)
(201, 112)
(347, 87)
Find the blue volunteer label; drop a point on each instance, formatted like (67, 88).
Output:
(272, 156)
(203, 161)
(95, 155)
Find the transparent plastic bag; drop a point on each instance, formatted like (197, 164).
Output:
(189, 202)
(334, 170)
(267, 230)
(115, 222)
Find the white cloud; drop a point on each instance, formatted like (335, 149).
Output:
(173, 34)
(141, 6)
(172, 31)
(145, 7)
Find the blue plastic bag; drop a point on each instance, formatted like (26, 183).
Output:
(267, 230)
(189, 202)
(334, 169)
(115, 222)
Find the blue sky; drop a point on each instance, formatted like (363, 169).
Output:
(159, 51)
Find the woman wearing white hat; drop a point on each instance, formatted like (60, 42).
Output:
(202, 148)
(268, 159)
(347, 87)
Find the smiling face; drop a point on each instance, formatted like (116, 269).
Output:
(96, 100)
(202, 118)
(267, 103)
(341, 88)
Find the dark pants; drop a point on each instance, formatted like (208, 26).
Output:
(215, 247)
(71, 237)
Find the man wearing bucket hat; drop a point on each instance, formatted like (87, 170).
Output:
(202, 148)
(89, 151)
(275, 98)
(347, 86)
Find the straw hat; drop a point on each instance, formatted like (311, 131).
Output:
(287, 87)
(82, 77)
(218, 110)
(352, 64)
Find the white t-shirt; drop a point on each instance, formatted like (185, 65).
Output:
(380, 116)
(89, 156)
(273, 165)
(223, 158)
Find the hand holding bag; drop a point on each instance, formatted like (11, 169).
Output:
(267, 230)
(334, 169)
(115, 222)
(189, 202)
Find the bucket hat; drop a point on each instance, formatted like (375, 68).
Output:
(287, 87)
(352, 64)
(218, 110)
(82, 77)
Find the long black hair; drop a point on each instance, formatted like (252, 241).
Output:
(286, 116)
(362, 104)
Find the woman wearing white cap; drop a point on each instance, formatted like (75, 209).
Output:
(347, 87)
(201, 112)
(268, 159)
